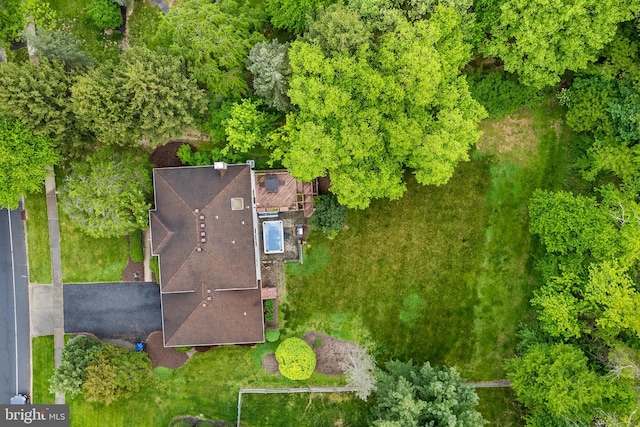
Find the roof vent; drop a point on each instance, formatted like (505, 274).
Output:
(198, 249)
(203, 240)
(201, 216)
(196, 210)
(204, 304)
(202, 234)
(202, 225)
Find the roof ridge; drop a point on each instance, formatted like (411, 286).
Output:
(166, 237)
(225, 188)
(173, 190)
(184, 261)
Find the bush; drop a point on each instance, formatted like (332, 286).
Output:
(154, 266)
(501, 93)
(76, 356)
(329, 216)
(105, 14)
(317, 343)
(269, 305)
(272, 335)
(296, 360)
(269, 317)
(184, 349)
(136, 250)
(180, 422)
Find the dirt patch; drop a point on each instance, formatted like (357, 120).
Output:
(330, 352)
(165, 156)
(270, 364)
(133, 272)
(512, 138)
(163, 356)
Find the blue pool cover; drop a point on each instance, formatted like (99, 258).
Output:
(273, 237)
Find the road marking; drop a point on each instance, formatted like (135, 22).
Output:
(15, 314)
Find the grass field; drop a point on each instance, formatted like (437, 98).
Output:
(43, 366)
(84, 259)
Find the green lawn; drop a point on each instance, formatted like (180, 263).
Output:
(38, 238)
(443, 274)
(143, 23)
(208, 384)
(43, 366)
(84, 259)
(72, 15)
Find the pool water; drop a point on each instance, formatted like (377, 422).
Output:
(273, 237)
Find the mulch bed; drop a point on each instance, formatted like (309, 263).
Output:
(165, 155)
(133, 272)
(329, 354)
(163, 356)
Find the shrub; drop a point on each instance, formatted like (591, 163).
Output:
(317, 343)
(76, 356)
(269, 305)
(272, 335)
(105, 14)
(269, 317)
(329, 216)
(136, 250)
(184, 349)
(501, 93)
(180, 422)
(296, 360)
(153, 265)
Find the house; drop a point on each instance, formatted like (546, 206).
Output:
(204, 228)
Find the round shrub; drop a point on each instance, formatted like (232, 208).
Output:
(272, 335)
(105, 14)
(180, 422)
(296, 359)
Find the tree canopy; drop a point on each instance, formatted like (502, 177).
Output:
(541, 40)
(269, 64)
(366, 109)
(146, 95)
(108, 194)
(409, 395)
(23, 161)
(77, 354)
(214, 39)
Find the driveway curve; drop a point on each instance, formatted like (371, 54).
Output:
(126, 310)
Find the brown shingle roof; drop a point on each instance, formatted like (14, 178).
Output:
(204, 244)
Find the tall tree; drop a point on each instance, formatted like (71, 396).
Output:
(39, 98)
(367, 110)
(556, 381)
(108, 194)
(214, 38)
(408, 395)
(115, 373)
(23, 159)
(292, 15)
(60, 45)
(146, 95)
(269, 64)
(72, 371)
(541, 40)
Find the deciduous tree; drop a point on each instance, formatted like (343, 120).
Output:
(359, 368)
(247, 126)
(108, 194)
(214, 39)
(366, 112)
(292, 15)
(23, 159)
(329, 216)
(541, 40)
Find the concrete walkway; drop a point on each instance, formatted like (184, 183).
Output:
(57, 302)
(41, 301)
(146, 245)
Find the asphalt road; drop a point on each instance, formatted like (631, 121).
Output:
(15, 339)
(128, 311)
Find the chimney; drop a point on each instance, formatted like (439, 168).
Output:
(221, 167)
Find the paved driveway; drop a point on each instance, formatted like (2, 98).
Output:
(128, 311)
(15, 341)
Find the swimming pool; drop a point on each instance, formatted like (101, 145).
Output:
(273, 237)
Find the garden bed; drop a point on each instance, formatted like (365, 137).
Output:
(163, 356)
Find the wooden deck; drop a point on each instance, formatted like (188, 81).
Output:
(278, 191)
